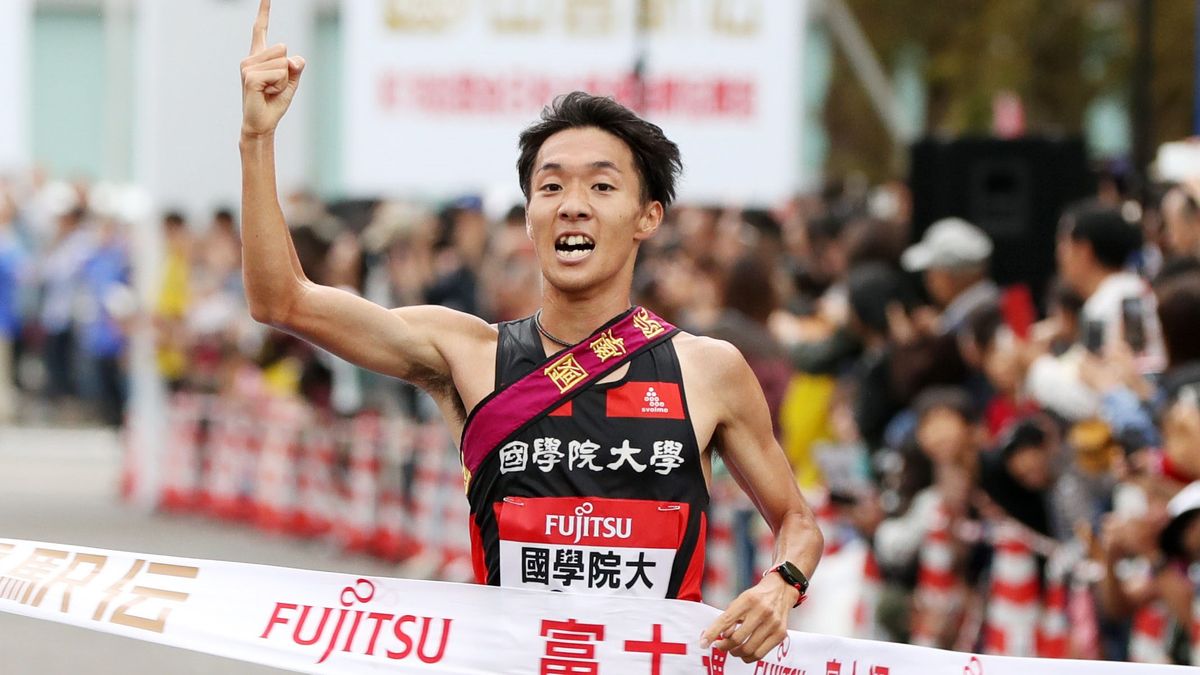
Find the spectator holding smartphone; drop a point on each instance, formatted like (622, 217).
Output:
(1179, 311)
(1094, 245)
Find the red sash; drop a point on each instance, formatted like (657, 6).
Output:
(509, 410)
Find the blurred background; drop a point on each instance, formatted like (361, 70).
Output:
(957, 242)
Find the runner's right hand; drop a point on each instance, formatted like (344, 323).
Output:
(269, 79)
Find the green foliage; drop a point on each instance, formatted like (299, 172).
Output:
(1174, 61)
(1057, 55)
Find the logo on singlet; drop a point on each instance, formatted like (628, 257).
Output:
(654, 404)
(655, 400)
(584, 525)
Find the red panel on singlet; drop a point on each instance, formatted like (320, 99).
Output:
(478, 558)
(592, 521)
(694, 577)
(564, 410)
(650, 400)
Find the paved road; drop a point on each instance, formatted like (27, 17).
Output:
(60, 486)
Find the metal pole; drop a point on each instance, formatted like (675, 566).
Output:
(1143, 72)
(865, 64)
(1196, 75)
(641, 55)
(118, 100)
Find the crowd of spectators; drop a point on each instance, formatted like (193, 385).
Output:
(905, 384)
(65, 304)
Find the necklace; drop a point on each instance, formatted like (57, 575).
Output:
(537, 321)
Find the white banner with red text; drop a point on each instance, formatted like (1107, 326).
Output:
(436, 91)
(324, 622)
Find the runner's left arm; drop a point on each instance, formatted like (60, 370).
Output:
(756, 621)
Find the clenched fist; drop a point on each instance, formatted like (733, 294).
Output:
(269, 79)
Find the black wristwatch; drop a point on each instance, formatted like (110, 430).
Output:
(795, 579)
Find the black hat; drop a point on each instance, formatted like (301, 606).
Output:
(1024, 434)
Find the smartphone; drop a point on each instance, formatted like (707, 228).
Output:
(1093, 336)
(1133, 321)
(1189, 394)
(1130, 501)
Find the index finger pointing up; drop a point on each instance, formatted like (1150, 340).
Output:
(258, 37)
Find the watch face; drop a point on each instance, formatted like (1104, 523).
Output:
(794, 575)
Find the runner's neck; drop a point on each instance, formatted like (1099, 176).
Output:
(575, 320)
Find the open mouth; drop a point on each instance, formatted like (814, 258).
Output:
(574, 246)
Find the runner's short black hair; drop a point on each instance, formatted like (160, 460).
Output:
(656, 156)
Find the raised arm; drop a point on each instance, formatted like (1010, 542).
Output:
(410, 343)
(756, 621)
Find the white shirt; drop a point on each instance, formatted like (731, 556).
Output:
(955, 315)
(1104, 306)
(60, 275)
(898, 539)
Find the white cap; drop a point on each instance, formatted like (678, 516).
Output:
(948, 243)
(1186, 500)
(1182, 509)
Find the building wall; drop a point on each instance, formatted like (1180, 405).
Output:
(14, 84)
(148, 91)
(188, 99)
(323, 86)
(68, 92)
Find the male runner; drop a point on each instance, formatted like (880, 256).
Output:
(587, 430)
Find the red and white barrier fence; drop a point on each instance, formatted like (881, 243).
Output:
(393, 488)
(1053, 629)
(323, 622)
(370, 484)
(384, 486)
(938, 598)
(1014, 598)
(1149, 639)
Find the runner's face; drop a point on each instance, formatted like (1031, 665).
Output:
(585, 212)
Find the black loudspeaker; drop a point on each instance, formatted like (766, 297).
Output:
(355, 214)
(1015, 190)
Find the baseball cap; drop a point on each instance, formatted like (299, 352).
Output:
(1183, 508)
(948, 243)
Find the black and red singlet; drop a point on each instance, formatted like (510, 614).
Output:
(603, 495)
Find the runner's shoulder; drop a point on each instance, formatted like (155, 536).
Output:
(716, 374)
(712, 358)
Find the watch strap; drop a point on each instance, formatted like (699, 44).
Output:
(794, 578)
